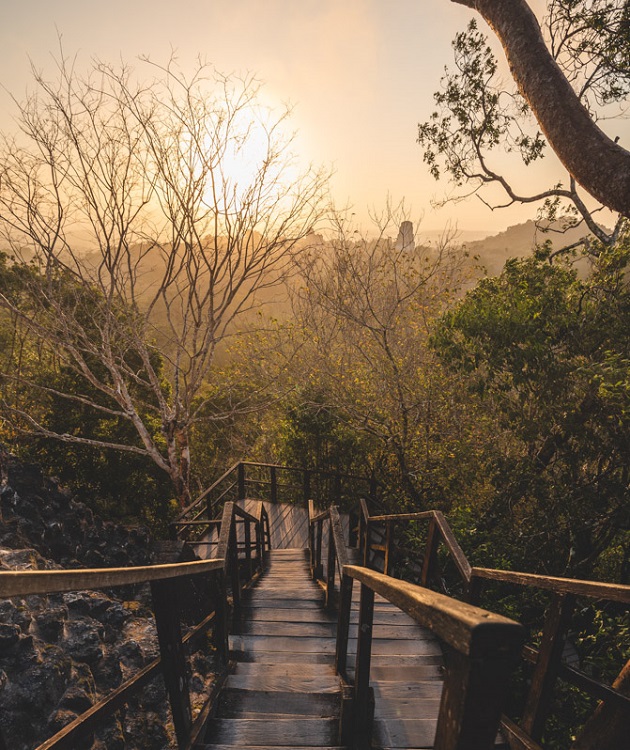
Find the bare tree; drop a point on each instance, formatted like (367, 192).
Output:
(365, 309)
(152, 215)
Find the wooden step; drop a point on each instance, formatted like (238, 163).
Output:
(281, 614)
(284, 629)
(296, 732)
(239, 704)
(294, 681)
(264, 747)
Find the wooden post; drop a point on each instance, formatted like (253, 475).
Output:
(260, 543)
(353, 529)
(240, 474)
(366, 546)
(609, 726)
(267, 533)
(430, 553)
(274, 484)
(165, 596)
(319, 569)
(549, 655)
(220, 630)
(363, 699)
(473, 695)
(248, 548)
(330, 568)
(388, 542)
(311, 537)
(343, 625)
(235, 573)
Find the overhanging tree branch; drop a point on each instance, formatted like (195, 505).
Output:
(599, 164)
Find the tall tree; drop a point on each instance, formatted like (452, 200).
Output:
(585, 64)
(151, 215)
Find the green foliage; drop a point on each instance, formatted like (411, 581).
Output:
(474, 116)
(591, 41)
(549, 353)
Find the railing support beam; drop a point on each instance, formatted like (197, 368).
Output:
(363, 696)
(165, 596)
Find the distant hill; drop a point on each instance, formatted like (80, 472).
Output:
(517, 241)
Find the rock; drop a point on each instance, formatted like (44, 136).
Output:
(61, 653)
(50, 623)
(82, 639)
(22, 559)
(9, 637)
(110, 737)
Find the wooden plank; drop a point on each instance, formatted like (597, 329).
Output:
(384, 674)
(272, 658)
(256, 643)
(402, 632)
(408, 691)
(470, 630)
(290, 683)
(409, 733)
(267, 602)
(609, 591)
(277, 614)
(382, 647)
(278, 705)
(263, 747)
(405, 659)
(285, 629)
(282, 732)
(27, 582)
(286, 671)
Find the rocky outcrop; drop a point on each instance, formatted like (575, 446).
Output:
(61, 653)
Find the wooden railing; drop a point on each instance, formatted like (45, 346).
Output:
(337, 549)
(484, 646)
(236, 565)
(483, 650)
(546, 659)
(272, 483)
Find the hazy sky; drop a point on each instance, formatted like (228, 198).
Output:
(360, 73)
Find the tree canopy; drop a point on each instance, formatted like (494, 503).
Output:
(564, 80)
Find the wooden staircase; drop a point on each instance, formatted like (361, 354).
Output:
(283, 691)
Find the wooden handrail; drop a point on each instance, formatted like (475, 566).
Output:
(196, 510)
(206, 492)
(165, 591)
(27, 582)
(484, 649)
(547, 659)
(593, 589)
(466, 628)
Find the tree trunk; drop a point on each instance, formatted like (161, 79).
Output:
(597, 163)
(609, 727)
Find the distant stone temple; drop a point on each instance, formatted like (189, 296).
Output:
(405, 239)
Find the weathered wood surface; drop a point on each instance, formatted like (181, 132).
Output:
(288, 527)
(610, 591)
(27, 582)
(405, 674)
(283, 691)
